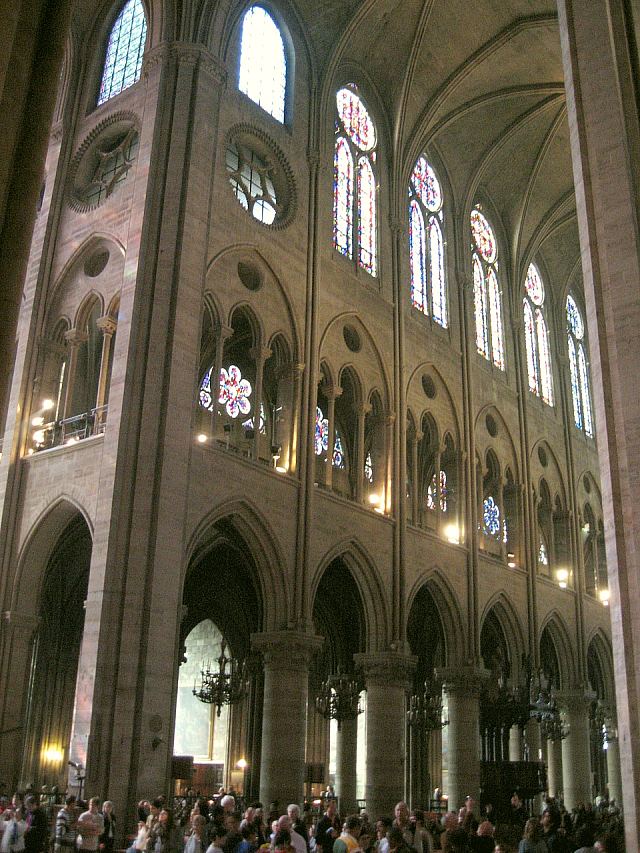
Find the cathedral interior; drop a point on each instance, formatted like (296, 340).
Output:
(319, 358)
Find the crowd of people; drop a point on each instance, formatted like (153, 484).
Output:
(218, 826)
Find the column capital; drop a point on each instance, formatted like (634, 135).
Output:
(331, 392)
(290, 370)
(286, 650)
(466, 680)
(387, 667)
(75, 337)
(260, 353)
(576, 701)
(107, 325)
(364, 409)
(222, 331)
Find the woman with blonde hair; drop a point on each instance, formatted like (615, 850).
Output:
(532, 841)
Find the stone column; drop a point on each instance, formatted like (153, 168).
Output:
(331, 393)
(388, 678)
(363, 411)
(554, 768)
(74, 337)
(462, 686)
(613, 762)
(107, 326)
(259, 355)
(222, 334)
(515, 743)
(286, 656)
(415, 502)
(576, 753)
(16, 634)
(346, 755)
(605, 136)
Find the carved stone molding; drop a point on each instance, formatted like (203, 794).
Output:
(463, 680)
(286, 650)
(393, 668)
(575, 701)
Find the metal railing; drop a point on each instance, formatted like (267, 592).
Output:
(70, 430)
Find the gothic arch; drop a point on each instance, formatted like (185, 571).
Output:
(599, 645)
(37, 547)
(502, 607)
(449, 611)
(367, 579)
(557, 628)
(246, 520)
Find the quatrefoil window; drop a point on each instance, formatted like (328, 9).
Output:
(252, 181)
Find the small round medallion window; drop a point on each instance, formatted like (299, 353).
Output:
(251, 178)
(103, 162)
(352, 339)
(259, 176)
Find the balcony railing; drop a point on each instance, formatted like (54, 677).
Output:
(70, 430)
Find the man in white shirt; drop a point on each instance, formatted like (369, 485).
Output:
(90, 826)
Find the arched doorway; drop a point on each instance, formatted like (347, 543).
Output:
(220, 600)
(54, 657)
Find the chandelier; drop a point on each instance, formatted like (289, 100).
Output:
(224, 686)
(425, 709)
(339, 698)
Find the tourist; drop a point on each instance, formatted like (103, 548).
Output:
(36, 838)
(107, 838)
(532, 840)
(14, 827)
(297, 824)
(328, 828)
(348, 842)
(65, 831)
(90, 826)
(196, 841)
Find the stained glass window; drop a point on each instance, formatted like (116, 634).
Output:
(263, 63)
(537, 338)
(262, 423)
(432, 495)
(490, 517)
(582, 413)
(426, 250)
(321, 440)
(252, 183)
(480, 303)
(125, 48)
(417, 251)
(367, 216)
(233, 392)
(354, 213)
(368, 469)
(543, 557)
(486, 290)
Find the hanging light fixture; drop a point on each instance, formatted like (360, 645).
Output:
(224, 686)
(339, 698)
(425, 708)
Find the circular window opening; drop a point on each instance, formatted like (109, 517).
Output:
(251, 179)
(542, 456)
(492, 426)
(96, 262)
(351, 339)
(249, 276)
(428, 386)
(587, 484)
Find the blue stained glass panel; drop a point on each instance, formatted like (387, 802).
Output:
(575, 384)
(436, 257)
(480, 304)
(343, 198)
(366, 216)
(490, 517)
(417, 250)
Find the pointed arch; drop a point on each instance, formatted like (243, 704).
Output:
(449, 610)
(124, 51)
(369, 583)
(250, 524)
(599, 645)
(559, 633)
(507, 616)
